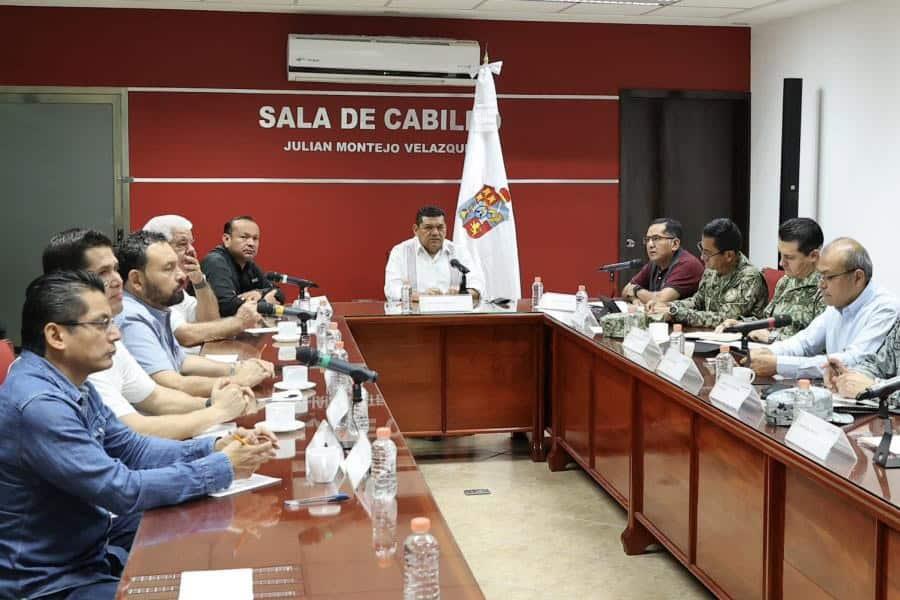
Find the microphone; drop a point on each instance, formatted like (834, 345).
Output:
(459, 266)
(885, 388)
(275, 310)
(282, 278)
(356, 371)
(772, 323)
(634, 263)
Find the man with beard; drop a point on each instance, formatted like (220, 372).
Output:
(424, 261)
(232, 272)
(153, 282)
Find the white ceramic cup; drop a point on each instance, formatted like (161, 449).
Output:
(322, 464)
(287, 352)
(745, 374)
(280, 415)
(295, 375)
(286, 448)
(288, 328)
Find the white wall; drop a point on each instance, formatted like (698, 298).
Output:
(849, 56)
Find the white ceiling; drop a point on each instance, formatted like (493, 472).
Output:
(684, 12)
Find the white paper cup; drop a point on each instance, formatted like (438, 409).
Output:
(287, 328)
(295, 374)
(280, 414)
(745, 374)
(286, 448)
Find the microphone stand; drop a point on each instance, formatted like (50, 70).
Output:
(882, 456)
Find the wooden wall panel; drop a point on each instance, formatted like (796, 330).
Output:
(573, 390)
(612, 425)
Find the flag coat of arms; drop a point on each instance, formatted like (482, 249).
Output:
(484, 221)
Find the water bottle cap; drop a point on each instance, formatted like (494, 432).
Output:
(803, 384)
(332, 325)
(383, 433)
(339, 344)
(581, 288)
(676, 327)
(420, 525)
(537, 280)
(725, 348)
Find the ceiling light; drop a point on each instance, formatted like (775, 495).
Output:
(651, 3)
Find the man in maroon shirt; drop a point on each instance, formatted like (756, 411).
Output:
(672, 272)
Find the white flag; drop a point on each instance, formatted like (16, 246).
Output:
(484, 212)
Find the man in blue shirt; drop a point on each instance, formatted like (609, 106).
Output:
(67, 465)
(153, 282)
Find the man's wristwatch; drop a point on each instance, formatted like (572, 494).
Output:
(673, 310)
(208, 402)
(635, 288)
(203, 283)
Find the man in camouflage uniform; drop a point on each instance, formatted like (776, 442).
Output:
(731, 287)
(797, 294)
(883, 364)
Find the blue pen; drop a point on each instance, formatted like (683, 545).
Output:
(332, 499)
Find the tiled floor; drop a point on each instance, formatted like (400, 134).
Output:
(540, 535)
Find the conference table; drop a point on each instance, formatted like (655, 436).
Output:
(748, 514)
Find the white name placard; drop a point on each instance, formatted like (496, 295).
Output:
(338, 407)
(455, 303)
(358, 460)
(674, 365)
(733, 392)
(817, 437)
(637, 340)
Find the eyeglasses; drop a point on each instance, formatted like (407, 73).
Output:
(102, 325)
(657, 239)
(184, 244)
(826, 279)
(704, 253)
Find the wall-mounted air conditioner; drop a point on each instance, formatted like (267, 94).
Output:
(384, 60)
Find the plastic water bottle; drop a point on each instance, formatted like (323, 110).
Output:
(334, 335)
(333, 379)
(676, 339)
(322, 321)
(724, 362)
(537, 291)
(405, 298)
(421, 578)
(384, 529)
(630, 320)
(384, 464)
(304, 299)
(360, 410)
(804, 399)
(581, 299)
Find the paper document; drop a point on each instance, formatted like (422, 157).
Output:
(222, 358)
(243, 485)
(261, 330)
(556, 301)
(712, 336)
(229, 584)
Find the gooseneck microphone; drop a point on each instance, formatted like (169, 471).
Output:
(771, 323)
(634, 263)
(276, 310)
(463, 288)
(885, 388)
(298, 281)
(356, 371)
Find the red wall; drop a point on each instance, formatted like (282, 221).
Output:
(340, 234)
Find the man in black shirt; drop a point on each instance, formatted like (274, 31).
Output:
(231, 272)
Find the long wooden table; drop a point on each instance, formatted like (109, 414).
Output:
(750, 516)
(294, 554)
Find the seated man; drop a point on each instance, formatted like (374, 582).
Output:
(858, 316)
(196, 318)
(424, 261)
(165, 412)
(672, 272)
(883, 364)
(67, 465)
(797, 293)
(153, 283)
(731, 287)
(231, 272)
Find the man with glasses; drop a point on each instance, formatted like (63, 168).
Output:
(132, 396)
(672, 272)
(68, 466)
(730, 288)
(196, 318)
(153, 282)
(797, 293)
(232, 271)
(858, 316)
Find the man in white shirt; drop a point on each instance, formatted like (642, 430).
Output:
(858, 316)
(424, 261)
(196, 319)
(165, 412)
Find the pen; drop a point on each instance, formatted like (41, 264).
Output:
(332, 499)
(240, 439)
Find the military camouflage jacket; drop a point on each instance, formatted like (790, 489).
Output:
(801, 299)
(885, 363)
(741, 293)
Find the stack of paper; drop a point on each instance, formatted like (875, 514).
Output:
(229, 584)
